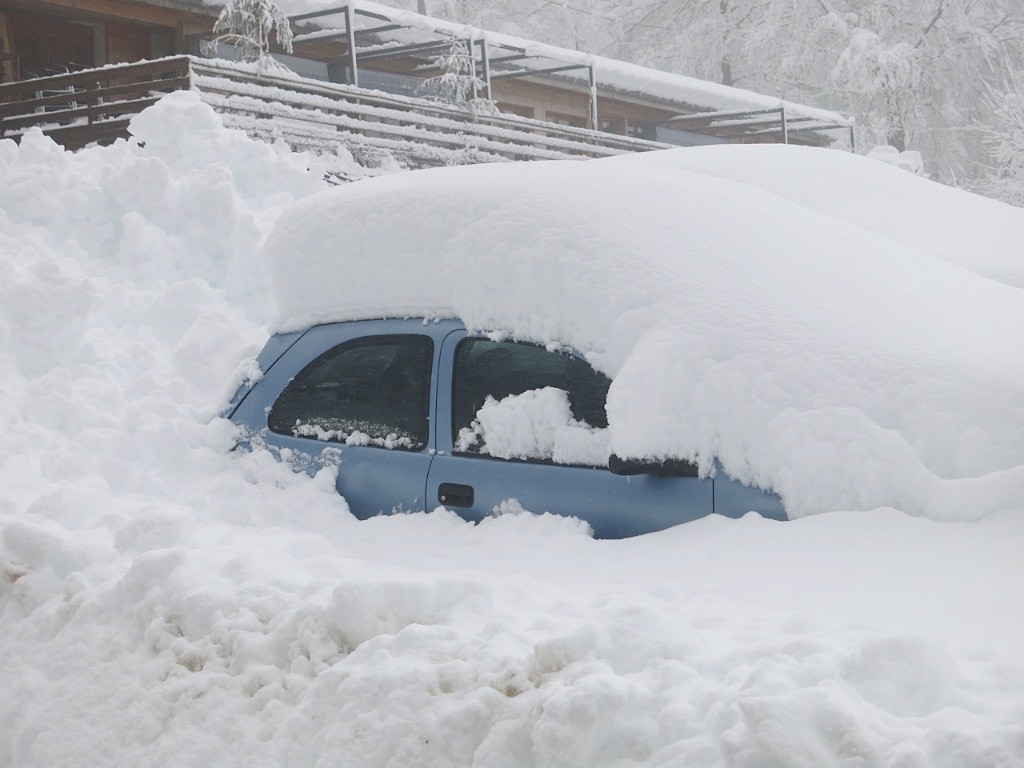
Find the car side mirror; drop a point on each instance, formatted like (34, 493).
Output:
(668, 468)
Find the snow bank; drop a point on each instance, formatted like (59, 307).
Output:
(840, 367)
(167, 602)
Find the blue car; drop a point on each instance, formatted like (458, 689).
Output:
(400, 398)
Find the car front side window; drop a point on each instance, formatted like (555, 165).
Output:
(521, 401)
(370, 391)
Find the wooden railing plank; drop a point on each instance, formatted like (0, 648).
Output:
(28, 106)
(347, 129)
(404, 105)
(77, 136)
(175, 65)
(91, 112)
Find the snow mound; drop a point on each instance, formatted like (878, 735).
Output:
(836, 364)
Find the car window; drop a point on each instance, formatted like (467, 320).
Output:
(370, 391)
(488, 372)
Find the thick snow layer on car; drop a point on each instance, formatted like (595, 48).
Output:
(840, 366)
(982, 235)
(165, 601)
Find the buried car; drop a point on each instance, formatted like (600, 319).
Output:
(426, 414)
(766, 340)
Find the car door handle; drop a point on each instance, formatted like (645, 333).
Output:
(455, 495)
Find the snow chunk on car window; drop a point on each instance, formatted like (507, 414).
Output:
(842, 367)
(537, 424)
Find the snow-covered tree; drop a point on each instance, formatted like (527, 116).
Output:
(913, 74)
(918, 76)
(248, 25)
(1004, 135)
(458, 82)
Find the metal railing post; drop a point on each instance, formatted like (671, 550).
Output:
(485, 62)
(350, 34)
(785, 128)
(472, 63)
(592, 81)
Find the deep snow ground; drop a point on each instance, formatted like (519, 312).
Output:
(165, 602)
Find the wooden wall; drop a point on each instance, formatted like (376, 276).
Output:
(128, 43)
(8, 59)
(46, 42)
(48, 36)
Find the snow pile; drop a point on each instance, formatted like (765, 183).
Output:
(808, 350)
(166, 602)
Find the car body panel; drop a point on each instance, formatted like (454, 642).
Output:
(734, 499)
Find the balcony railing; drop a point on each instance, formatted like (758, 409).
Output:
(93, 105)
(96, 106)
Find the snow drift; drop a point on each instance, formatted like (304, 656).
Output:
(803, 342)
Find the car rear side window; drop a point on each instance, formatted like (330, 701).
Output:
(370, 391)
(488, 371)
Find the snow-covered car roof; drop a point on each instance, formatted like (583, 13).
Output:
(780, 308)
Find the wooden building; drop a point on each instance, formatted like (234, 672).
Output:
(370, 47)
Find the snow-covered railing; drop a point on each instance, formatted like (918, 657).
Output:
(96, 105)
(93, 105)
(320, 115)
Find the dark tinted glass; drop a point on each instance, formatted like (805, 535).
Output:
(371, 391)
(500, 369)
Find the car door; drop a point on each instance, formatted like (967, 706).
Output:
(474, 482)
(364, 390)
